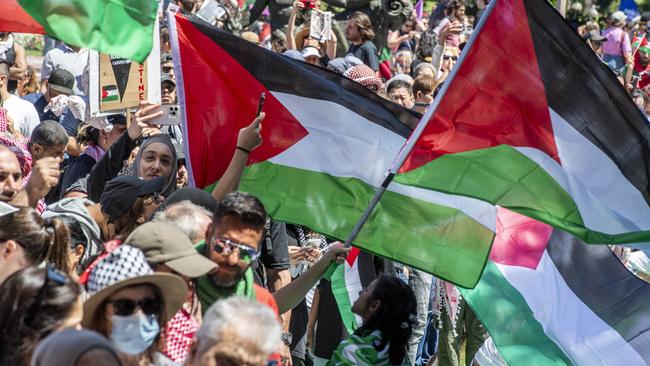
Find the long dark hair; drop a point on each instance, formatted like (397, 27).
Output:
(395, 317)
(42, 239)
(34, 304)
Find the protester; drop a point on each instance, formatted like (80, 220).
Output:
(60, 83)
(130, 304)
(168, 250)
(26, 239)
(29, 83)
(388, 310)
(21, 112)
(72, 347)
(14, 54)
(96, 141)
(364, 75)
(595, 41)
(168, 89)
(359, 33)
(67, 57)
(454, 15)
(85, 233)
(49, 139)
(617, 50)
(10, 175)
(129, 201)
(189, 218)
(400, 92)
(35, 303)
(236, 331)
(423, 88)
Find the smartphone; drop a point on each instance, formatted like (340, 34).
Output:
(261, 103)
(171, 116)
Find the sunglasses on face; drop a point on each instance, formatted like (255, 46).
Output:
(125, 307)
(449, 57)
(226, 246)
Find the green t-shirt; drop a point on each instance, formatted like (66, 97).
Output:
(360, 350)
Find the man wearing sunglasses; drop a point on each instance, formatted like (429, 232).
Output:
(233, 244)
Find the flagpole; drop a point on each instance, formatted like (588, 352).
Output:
(415, 135)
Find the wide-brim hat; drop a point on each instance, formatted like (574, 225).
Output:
(173, 290)
(127, 266)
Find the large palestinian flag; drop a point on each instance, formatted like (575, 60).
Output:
(548, 299)
(328, 143)
(117, 27)
(534, 122)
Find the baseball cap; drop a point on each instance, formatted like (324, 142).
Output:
(165, 57)
(121, 193)
(594, 36)
(618, 17)
(62, 81)
(310, 51)
(164, 244)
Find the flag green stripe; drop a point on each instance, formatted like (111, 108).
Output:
(119, 27)
(503, 176)
(340, 292)
(434, 238)
(518, 336)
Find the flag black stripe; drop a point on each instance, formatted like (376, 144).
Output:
(588, 95)
(283, 74)
(601, 281)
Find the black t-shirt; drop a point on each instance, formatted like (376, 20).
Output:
(274, 253)
(366, 52)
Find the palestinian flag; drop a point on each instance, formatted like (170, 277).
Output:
(534, 122)
(13, 18)
(346, 285)
(117, 27)
(110, 94)
(548, 299)
(328, 143)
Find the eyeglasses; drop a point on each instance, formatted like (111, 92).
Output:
(449, 57)
(125, 307)
(246, 253)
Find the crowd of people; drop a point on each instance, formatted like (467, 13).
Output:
(109, 258)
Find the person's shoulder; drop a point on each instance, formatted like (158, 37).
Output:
(33, 97)
(265, 297)
(368, 45)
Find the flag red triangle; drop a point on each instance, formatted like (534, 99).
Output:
(14, 19)
(221, 97)
(496, 97)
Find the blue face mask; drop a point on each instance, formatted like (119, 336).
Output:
(135, 333)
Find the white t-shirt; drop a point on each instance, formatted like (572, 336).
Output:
(22, 113)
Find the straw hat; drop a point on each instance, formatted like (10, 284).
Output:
(127, 266)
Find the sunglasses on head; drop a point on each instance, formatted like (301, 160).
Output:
(125, 307)
(449, 57)
(246, 253)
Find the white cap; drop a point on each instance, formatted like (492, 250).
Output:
(310, 51)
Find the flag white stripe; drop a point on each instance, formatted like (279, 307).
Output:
(342, 143)
(584, 337)
(353, 284)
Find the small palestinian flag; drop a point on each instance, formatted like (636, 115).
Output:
(548, 299)
(328, 143)
(534, 122)
(346, 285)
(110, 94)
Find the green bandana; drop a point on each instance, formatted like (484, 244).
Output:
(208, 293)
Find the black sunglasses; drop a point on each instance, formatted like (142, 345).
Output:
(447, 57)
(125, 307)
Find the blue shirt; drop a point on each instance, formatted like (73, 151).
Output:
(67, 119)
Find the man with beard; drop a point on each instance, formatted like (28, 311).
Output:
(10, 174)
(233, 243)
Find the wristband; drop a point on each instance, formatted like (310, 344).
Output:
(244, 150)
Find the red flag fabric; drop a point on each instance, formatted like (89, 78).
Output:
(14, 19)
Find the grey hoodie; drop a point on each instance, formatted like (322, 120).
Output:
(75, 209)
